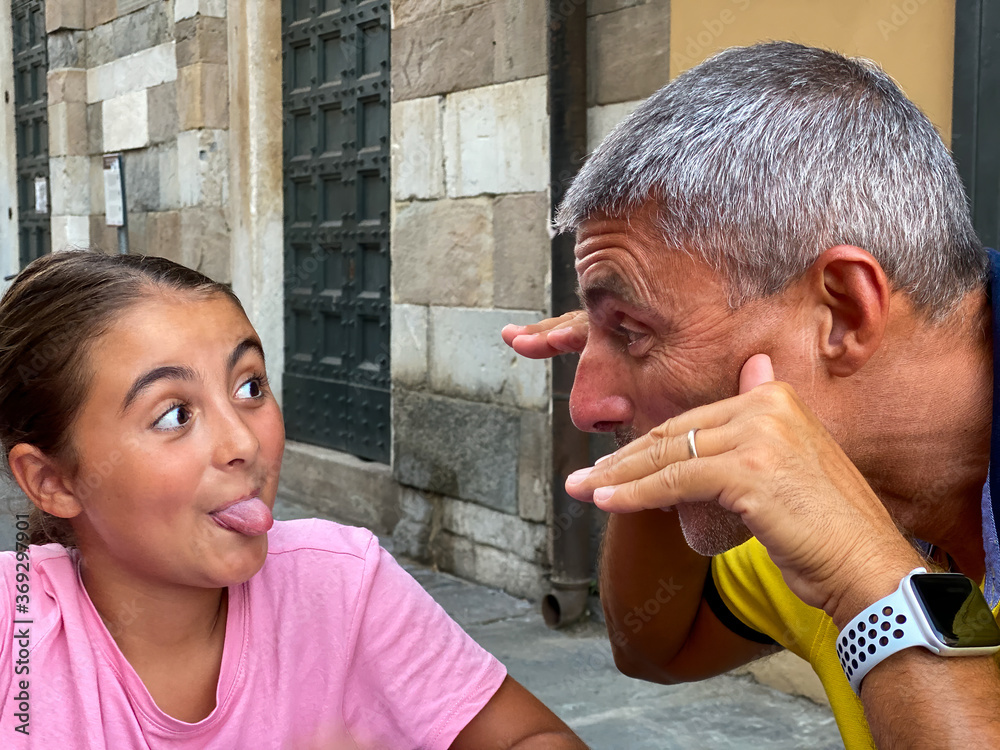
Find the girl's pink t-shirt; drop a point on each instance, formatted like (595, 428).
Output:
(330, 645)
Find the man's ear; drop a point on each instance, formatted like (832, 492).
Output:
(851, 294)
(43, 481)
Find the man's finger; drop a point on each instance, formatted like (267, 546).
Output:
(756, 370)
(682, 482)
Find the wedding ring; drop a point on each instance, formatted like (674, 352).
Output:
(691, 449)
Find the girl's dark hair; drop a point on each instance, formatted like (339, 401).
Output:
(55, 308)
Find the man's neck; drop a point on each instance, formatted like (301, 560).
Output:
(922, 436)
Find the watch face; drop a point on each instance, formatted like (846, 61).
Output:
(956, 609)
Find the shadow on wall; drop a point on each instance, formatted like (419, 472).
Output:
(12, 501)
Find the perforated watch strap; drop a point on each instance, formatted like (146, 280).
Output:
(885, 628)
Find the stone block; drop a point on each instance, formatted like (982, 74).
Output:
(102, 237)
(147, 24)
(162, 112)
(163, 230)
(95, 128)
(101, 45)
(441, 54)
(142, 179)
(136, 228)
(170, 189)
(456, 448)
(442, 253)
(66, 49)
(203, 96)
(482, 525)
(522, 250)
(602, 120)
(67, 85)
(68, 129)
(136, 72)
(489, 566)
(408, 11)
(341, 486)
(534, 466)
(408, 356)
(788, 673)
(70, 232)
(99, 12)
(497, 139)
(412, 534)
(125, 122)
(69, 185)
(520, 50)
(628, 53)
(596, 7)
(469, 360)
(126, 7)
(64, 14)
(188, 8)
(202, 164)
(204, 240)
(201, 39)
(417, 149)
(96, 185)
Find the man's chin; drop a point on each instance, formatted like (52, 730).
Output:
(709, 529)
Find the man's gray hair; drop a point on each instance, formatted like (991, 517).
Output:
(762, 157)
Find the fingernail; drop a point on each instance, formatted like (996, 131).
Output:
(604, 458)
(604, 493)
(578, 476)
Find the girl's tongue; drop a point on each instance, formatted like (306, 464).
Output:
(250, 517)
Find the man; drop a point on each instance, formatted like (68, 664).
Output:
(788, 327)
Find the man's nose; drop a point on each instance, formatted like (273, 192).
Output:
(599, 401)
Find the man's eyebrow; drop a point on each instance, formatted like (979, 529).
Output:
(177, 372)
(610, 285)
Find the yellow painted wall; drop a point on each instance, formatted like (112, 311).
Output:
(913, 40)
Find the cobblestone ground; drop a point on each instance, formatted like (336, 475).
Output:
(572, 672)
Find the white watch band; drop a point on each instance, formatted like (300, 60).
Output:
(885, 628)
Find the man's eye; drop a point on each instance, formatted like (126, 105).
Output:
(250, 389)
(175, 418)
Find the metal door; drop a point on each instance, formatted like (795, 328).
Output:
(31, 63)
(336, 162)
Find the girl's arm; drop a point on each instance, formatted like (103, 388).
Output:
(515, 719)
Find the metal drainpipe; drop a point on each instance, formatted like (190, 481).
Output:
(569, 531)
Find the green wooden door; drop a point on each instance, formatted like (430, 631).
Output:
(31, 125)
(336, 174)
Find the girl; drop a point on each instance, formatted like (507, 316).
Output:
(158, 605)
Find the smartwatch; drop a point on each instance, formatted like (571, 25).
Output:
(945, 613)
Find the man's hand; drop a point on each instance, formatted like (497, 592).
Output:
(764, 455)
(547, 338)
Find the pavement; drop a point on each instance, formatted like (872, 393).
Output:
(573, 673)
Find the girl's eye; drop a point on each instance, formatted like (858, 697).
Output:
(251, 389)
(175, 418)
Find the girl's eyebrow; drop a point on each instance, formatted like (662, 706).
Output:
(179, 372)
(169, 372)
(246, 345)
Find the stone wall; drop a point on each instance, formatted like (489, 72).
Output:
(628, 59)
(147, 78)
(470, 252)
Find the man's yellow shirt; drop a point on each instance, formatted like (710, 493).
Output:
(751, 587)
